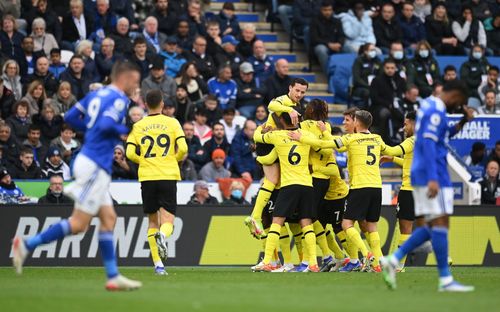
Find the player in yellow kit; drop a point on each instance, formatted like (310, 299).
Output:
(157, 144)
(294, 198)
(290, 104)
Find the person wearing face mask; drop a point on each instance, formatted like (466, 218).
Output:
(236, 198)
(55, 192)
(473, 72)
(425, 70)
(365, 68)
(397, 55)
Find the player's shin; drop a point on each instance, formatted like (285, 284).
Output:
(310, 244)
(439, 238)
(263, 197)
(375, 247)
(55, 232)
(107, 248)
(402, 239)
(167, 229)
(319, 231)
(419, 236)
(285, 245)
(272, 242)
(354, 238)
(154, 248)
(297, 237)
(333, 245)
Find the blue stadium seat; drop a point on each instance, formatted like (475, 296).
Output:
(268, 37)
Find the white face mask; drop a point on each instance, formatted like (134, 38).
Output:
(477, 55)
(398, 55)
(372, 54)
(423, 53)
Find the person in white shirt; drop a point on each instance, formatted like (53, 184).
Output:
(232, 124)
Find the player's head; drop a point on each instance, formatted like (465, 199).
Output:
(297, 89)
(154, 100)
(126, 76)
(362, 120)
(492, 168)
(286, 121)
(454, 94)
(409, 126)
(316, 110)
(349, 119)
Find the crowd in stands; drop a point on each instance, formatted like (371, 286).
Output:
(216, 75)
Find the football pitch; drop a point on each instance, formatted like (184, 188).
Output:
(237, 289)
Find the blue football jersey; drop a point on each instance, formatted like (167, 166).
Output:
(429, 156)
(102, 116)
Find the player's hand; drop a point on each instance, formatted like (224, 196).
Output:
(321, 125)
(468, 113)
(294, 116)
(294, 135)
(386, 159)
(266, 129)
(432, 189)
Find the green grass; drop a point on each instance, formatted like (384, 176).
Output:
(237, 289)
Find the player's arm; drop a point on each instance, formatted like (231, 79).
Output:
(326, 132)
(261, 137)
(278, 106)
(398, 161)
(468, 116)
(74, 117)
(131, 148)
(180, 142)
(307, 138)
(331, 169)
(399, 150)
(268, 159)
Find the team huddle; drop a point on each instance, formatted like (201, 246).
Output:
(302, 190)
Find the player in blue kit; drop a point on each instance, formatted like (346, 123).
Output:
(101, 114)
(433, 192)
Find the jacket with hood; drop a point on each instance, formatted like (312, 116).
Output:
(357, 32)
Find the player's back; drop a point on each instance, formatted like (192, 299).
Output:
(99, 141)
(432, 123)
(156, 136)
(338, 188)
(409, 145)
(316, 158)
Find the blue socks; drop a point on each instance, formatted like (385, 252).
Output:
(108, 253)
(55, 232)
(419, 236)
(440, 245)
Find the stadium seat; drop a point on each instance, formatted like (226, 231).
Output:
(66, 55)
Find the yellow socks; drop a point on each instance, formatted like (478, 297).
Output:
(375, 246)
(333, 245)
(351, 249)
(297, 237)
(263, 196)
(273, 238)
(367, 237)
(402, 239)
(285, 245)
(319, 231)
(153, 247)
(310, 244)
(167, 229)
(354, 238)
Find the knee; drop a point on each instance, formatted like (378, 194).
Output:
(108, 221)
(321, 49)
(77, 226)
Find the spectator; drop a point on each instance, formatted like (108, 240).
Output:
(54, 165)
(7, 100)
(183, 36)
(386, 91)
(365, 68)
(76, 24)
(469, 30)
(491, 105)
(166, 17)
(425, 69)
(480, 9)
(185, 108)
(490, 185)
(201, 195)
(104, 19)
(66, 143)
(246, 40)
(397, 55)
(261, 115)
(43, 41)
(122, 168)
(262, 63)
(472, 72)
(241, 152)
(477, 156)
(10, 193)
(43, 74)
(105, 59)
(50, 123)
(201, 129)
(121, 37)
(285, 14)
(279, 82)
(236, 198)
(327, 35)
(10, 39)
(204, 62)
(218, 141)
(20, 121)
(35, 144)
(63, 100)
(490, 83)
(158, 80)
(230, 126)
(55, 192)
(214, 112)
(386, 28)
(27, 61)
(195, 151)
(84, 49)
(250, 93)
(26, 167)
(190, 77)
(214, 169)
(56, 67)
(10, 145)
(450, 73)
(195, 18)
(412, 27)
(35, 97)
(214, 39)
(410, 101)
(169, 108)
(229, 55)
(495, 153)
(173, 60)
(423, 9)
(440, 34)
(41, 11)
(77, 76)
(493, 35)
(139, 56)
(223, 87)
(188, 169)
(153, 37)
(11, 79)
(357, 26)
(228, 21)
(304, 11)
(135, 114)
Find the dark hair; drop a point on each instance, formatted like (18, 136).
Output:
(23, 103)
(478, 146)
(364, 117)
(286, 120)
(229, 111)
(201, 111)
(450, 68)
(228, 6)
(458, 86)
(408, 3)
(26, 150)
(389, 60)
(139, 40)
(351, 112)
(316, 110)
(300, 81)
(154, 98)
(411, 86)
(494, 68)
(123, 67)
(34, 127)
(210, 97)
(411, 115)
(337, 131)
(66, 126)
(55, 51)
(326, 3)
(363, 48)
(76, 56)
(217, 124)
(490, 91)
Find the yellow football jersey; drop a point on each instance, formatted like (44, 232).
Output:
(281, 104)
(407, 149)
(293, 157)
(338, 188)
(156, 137)
(318, 157)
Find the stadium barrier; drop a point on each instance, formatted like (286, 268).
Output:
(215, 235)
